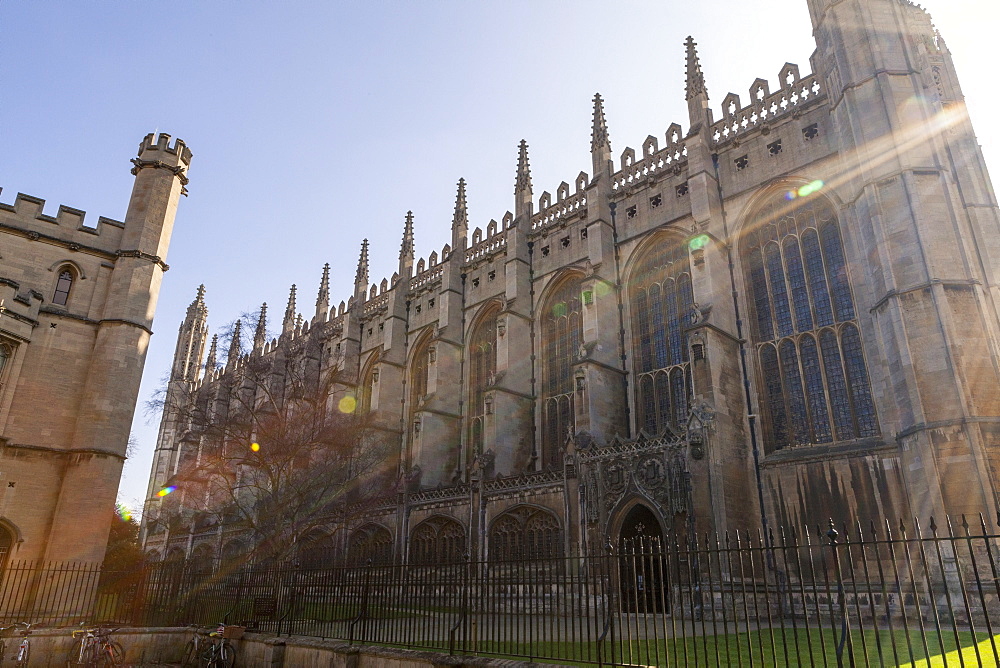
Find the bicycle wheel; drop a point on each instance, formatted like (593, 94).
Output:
(190, 655)
(227, 655)
(111, 655)
(74, 657)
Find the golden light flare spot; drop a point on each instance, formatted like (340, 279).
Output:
(347, 405)
(255, 447)
(166, 490)
(124, 513)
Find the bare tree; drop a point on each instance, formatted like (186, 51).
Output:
(272, 452)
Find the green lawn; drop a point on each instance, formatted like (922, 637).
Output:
(761, 648)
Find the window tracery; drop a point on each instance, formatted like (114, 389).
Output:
(562, 333)
(437, 540)
(661, 300)
(525, 532)
(814, 383)
(370, 542)
(483, 360)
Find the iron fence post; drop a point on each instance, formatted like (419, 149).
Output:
(845, 633)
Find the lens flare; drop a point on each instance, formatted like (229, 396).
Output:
(347, 405)
(255, 447)
(698, 242)
(124, 513)
(805, 191)
(166, 490)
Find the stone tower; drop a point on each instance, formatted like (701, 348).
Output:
(924, 219)
(79, 304)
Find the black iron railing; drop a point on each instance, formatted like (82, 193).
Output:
(831, 596)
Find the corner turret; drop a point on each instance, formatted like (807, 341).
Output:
(191, 340)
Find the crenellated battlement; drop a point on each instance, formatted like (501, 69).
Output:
(654, 162)
(765, 107)
(161, 144)
(27, 214)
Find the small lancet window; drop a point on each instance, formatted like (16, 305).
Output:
(63, 286)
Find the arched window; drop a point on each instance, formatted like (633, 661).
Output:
(562, 332)
(63, 286)
(5, 354)
(525, 532)
(370, 542)
(317, 550)
(814, 385)
(419, 366)
(365, 389)
(234, 554)
(660, 300)
(6, 545)
(438, 540)
(202, 560)
(483, 366)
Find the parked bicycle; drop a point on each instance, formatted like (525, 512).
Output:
(195, 647)
(24, 647)
(95, 648)
(220, 652)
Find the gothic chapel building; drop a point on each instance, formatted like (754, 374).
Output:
(788, 311)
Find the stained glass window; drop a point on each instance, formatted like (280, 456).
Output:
(661, 299)
(562, 332)
(813, 378)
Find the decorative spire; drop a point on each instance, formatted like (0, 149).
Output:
(460, 221)
(599, 134)
(695, 79)
(213, 351)
(236, 345)
(522, 185)
(523, 181)
(197, 309)
(361, 277)
(406, 248)
(289, 322)
(323, 297)
(260, 334)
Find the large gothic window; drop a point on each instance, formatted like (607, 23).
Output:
(525, 532)
(562, 332)
(365, 389)
(814, 385)
(660, 299)
(438, 540)
(370, 543)
(418, 376)
(483, 361)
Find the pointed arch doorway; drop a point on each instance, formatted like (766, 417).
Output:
(642, 564)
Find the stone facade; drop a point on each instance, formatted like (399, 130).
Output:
(785, 313)
(76, 312)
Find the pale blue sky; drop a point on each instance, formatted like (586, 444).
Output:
(314, 124)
